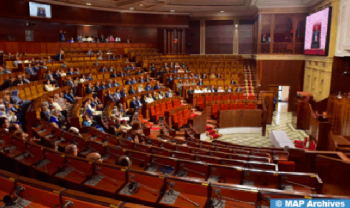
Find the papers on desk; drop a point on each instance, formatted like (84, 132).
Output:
(280, 139)
(124, 118)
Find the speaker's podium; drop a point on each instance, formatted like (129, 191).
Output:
(301, 117)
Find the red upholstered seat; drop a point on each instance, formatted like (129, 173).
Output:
(234, 97)
(225, 97)
(169, 106)
(208, 99)
(224, 106)
(176, 121)
(217, 97)
(163, 108)
(200, 103)
(233, 106)
(251, 106)
(154, 114)
(242, 97)
(215, 110)
(241, 106)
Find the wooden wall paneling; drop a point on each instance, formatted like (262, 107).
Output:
(53, 48)
(65, 45)
(12, 47)
(283, 72)
(183, 43)
(219, 37)
(2, 46)
(192, 43)
(335, 181)
(43, 47)
(30, 47)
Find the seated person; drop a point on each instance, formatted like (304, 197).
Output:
(123, 92)
(197, 90)
(134, 81)
(212, 76)
(148, 87)
(183, 64)
(154, 96)
(239, 89)
(49, 87)
(180, 70)
(131, 90)
(124, 126)
(89, 77)
(204, 76)
(134, 104)
(229, 89)
(161, 95)
(30, 70)
(128, 82)
(77, 71)
(233, 82)
(89, 89)
(152, 67)
(109, 96)
(157, 86)
(70, 71)
(45, 113)
(94, 157)
(54, 117)
(220, 89)
(170, 79)
(71, 149)
(212, 89)
(149, 98)
(123, 160)
(148, 78)
(140, 88)
(178, 76)
(63, 73)
(219, 76)
(185, 76)
(190, 92)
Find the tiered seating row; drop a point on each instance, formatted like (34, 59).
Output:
(39, 194)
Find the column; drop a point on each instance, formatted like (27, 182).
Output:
(202, 37)
(235, 36)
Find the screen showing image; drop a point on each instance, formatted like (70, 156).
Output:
(316, 33)
(39, 10)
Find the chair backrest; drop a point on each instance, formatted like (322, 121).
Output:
(215, 107)
(217, 97)
(251, 106)
(233, 106)
(312, 145)
(234, 97)
(224, 106)
(241, 106)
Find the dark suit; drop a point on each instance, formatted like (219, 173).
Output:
(113, 75)
(98, 88)
(133, 82)
(148, 88)
(17, 82)
(131, 92)
(88, 90)
(142, 81)
(134, 104)
(109, 85)
(102, 70)
(55, 75)
(156, 87)
(200, 83)
(169, 80)
(122, 94)
(45, 115)
(110, 97)
(212, 90)
(167, 94)
(59, 57)
(69, 73)
(128, 82)
(121, 75)
(190, 93)
(89, 78)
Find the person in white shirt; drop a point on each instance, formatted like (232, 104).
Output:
(82, 79)
(197, 90)
(16, 62)
(63, 73)
(149, 98)
(161, 95)
(12, 117)
(220, 89)
(140, 88)
(49, 87)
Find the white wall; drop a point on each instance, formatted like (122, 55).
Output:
(285, 93)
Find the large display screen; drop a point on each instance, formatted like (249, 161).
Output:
(317, 32)
(39, 10)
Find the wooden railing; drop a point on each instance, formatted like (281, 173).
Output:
(281, 48)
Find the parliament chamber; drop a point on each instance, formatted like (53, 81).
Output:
(197, 103)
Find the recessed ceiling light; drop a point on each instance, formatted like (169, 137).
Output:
(172, 11)
(89, 4)
(222, 11)
(131, 8)
(141, 4)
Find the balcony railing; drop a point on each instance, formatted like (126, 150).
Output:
(281, 48)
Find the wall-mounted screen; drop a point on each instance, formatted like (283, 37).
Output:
(317, 32)
(39, 10)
